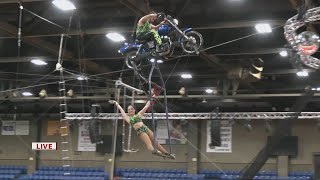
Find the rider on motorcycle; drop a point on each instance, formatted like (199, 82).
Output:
(146, 30)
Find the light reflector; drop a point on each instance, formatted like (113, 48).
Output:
(64, 5)
(116, 37)
(263, 28)
(186, 76)
(38, 62)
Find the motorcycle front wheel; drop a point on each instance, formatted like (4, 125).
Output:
(130, 60)
(193, 43)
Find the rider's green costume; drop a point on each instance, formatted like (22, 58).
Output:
(135, 119)
(146, 28)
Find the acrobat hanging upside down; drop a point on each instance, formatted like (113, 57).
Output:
(143, 132)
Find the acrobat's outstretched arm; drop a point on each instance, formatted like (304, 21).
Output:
(123, 113)
(146, 107)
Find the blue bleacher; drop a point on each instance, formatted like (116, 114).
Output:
(12, 172)
(41, 177)
(161, 174)
(83, 173)
(6, 177)
(74, 173)
(262, 175)
(23, 169)
(120, 171)
(83, 169)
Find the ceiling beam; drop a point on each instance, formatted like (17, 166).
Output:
(128, 29)
(15, 1)
(255, 51)
(139, 7)
(241, 24)
(27, 59)
(36, 42)
(34, 21)
(182, 8)
(174, 76)
(230, 52)
(213, 60)
(52, 48)
(102, 98)
(219, 25)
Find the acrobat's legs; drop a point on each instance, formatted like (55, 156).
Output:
(146, 140)
(159, 147)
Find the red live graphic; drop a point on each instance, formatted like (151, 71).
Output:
(44, 146)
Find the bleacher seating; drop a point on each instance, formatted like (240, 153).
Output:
(155, 174)
(12, 172)
(72, 173)
(83, 173)
(262, 175)
(145, 170)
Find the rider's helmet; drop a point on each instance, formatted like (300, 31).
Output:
(160, 17)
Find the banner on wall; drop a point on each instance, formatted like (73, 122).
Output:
(226, 138)
(8, 127)
(177, 131)
(22, 127)
(15, 128)
(84, 142)
(53, 128)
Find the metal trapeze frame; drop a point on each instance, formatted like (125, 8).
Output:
(202, 116)
(119, 86)
(150, 83)
(290, 28)
(155, 66)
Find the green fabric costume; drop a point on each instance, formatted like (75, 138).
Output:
(146, 28)
(135, 119)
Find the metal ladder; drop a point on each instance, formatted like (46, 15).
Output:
(64, 123)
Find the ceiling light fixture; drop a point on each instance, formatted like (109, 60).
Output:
(186, 76)
(302, 74)
(140, 101)
(152, 60)
(64, 5)
(27, 93)
(209, 91)
(283, 53)
(81, 78)
(38, 62)
(116, 37)
(263, 28)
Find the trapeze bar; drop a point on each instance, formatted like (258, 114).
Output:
(203, 116)
(120, 83)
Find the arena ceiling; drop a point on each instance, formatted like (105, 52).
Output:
(228, 26)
